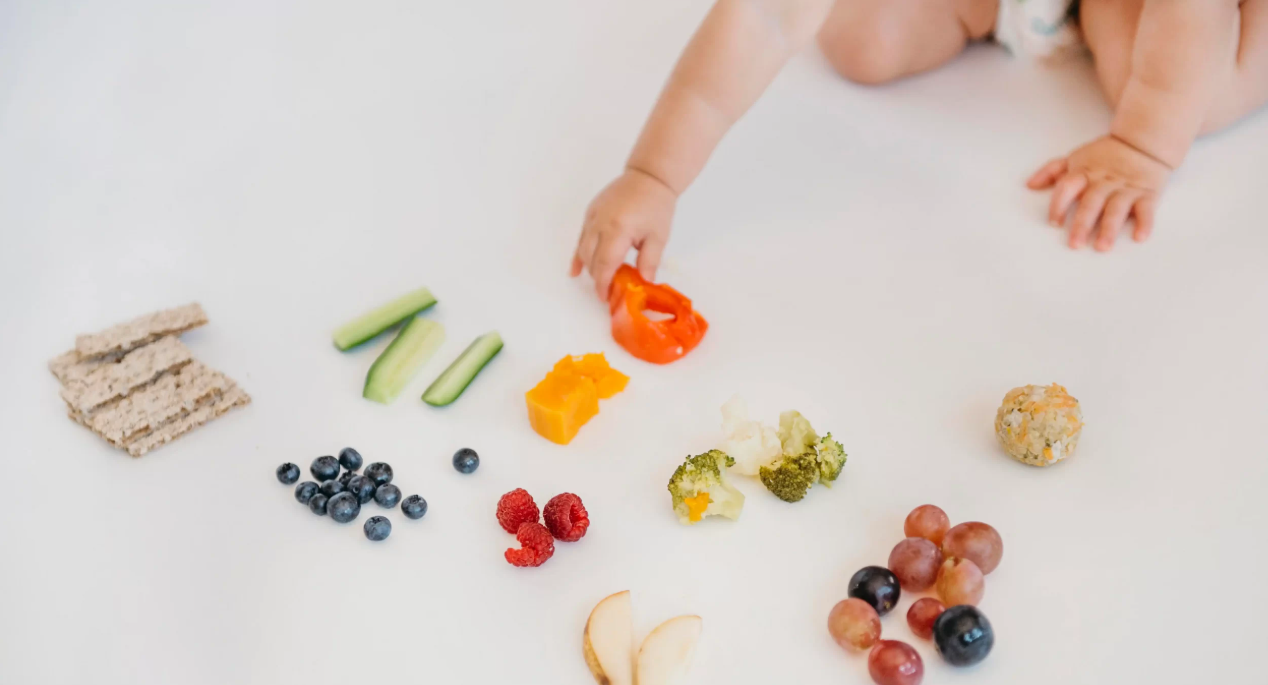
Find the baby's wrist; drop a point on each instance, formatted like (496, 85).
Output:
(1140, 149)
(1156, 123)
(640, 171)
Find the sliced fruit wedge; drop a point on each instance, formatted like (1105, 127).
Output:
(609, 640)
(400, 362)
(373, 323)
(665, 657)
(455, 379)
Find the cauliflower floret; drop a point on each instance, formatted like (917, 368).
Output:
(750, 443)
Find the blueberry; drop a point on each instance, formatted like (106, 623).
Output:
(377, 528)
(345, 478)
(287, 473)
(305, 491)
(331, 488)
(325, 468)
(387, 495)
(344, 507)
(362, 487)
(877, 586)
(414, 507)
(466, 460)
(350, 458)
(379, 472)
(318, 503)
(963, 636)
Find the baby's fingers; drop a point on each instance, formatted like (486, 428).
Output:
(1089, 210)
(585, 249)
(1048, 174)
(649, 256)
(1067, 191)
(1116, 212)
(608, 257)
(1144, 211)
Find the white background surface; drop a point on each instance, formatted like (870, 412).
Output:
(868, 256)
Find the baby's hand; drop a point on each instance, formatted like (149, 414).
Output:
(1106, 180)
(635, 210)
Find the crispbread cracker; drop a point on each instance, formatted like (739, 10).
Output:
(172, 396)
(140, 331)
(135, 370)
(71, 365)
(233, 397)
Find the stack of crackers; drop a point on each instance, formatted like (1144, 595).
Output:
(139, 387)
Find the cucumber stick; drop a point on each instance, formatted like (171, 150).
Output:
(396, 367)
(373, 323)
(450, 384)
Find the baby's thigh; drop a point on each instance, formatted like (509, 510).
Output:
(1109, 28)
(875, 41)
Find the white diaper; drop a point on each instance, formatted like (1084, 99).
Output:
(1038, 28)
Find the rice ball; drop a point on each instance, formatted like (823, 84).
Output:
(1039, 425)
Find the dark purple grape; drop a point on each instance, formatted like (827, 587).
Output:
(877, 586)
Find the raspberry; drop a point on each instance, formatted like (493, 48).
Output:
(566, 517)
(538, 546)
(515, 509)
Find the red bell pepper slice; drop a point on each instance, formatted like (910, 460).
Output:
(658, 342)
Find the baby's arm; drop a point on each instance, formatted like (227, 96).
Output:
(733, 57)
(1179, 48)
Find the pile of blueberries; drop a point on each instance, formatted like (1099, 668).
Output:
(340, 495)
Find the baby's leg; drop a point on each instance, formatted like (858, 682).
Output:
(1109, 26)
(875, 41)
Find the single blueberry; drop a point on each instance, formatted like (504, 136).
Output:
(377, 528)
(362, 487)
(318, 503)
(305, 491)
(387, 495)
(466, 460)
(379, 472)
(962, 635)
(877, 586)
(413, 507)
(331, 488)
(325, 468)
(344, 507)
(350, 459)
(287, 473)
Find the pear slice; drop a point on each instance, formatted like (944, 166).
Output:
(609, 640)
(665, 656)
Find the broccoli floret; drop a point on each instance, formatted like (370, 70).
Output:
(790, 477)
(699, 488)
(831, 458)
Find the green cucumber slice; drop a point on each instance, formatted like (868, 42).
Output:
(369, 325)
(399, 363)
(450, 384)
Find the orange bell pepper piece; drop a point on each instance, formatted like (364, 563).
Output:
(569, 396)
(659, 342)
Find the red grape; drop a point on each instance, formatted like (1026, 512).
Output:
(960, 581)
(915, 561)
(928, 522)
(922, 614)
(854, 624)
(895, 663)
(976, 542)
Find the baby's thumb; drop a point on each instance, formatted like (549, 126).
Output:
(649, 257)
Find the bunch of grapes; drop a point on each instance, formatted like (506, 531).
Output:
(953, 562)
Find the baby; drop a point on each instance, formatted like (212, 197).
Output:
(1171, 69)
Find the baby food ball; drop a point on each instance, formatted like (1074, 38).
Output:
(1039, 425)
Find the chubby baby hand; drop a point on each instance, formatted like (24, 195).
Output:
(636, 210)
(1106, 182)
